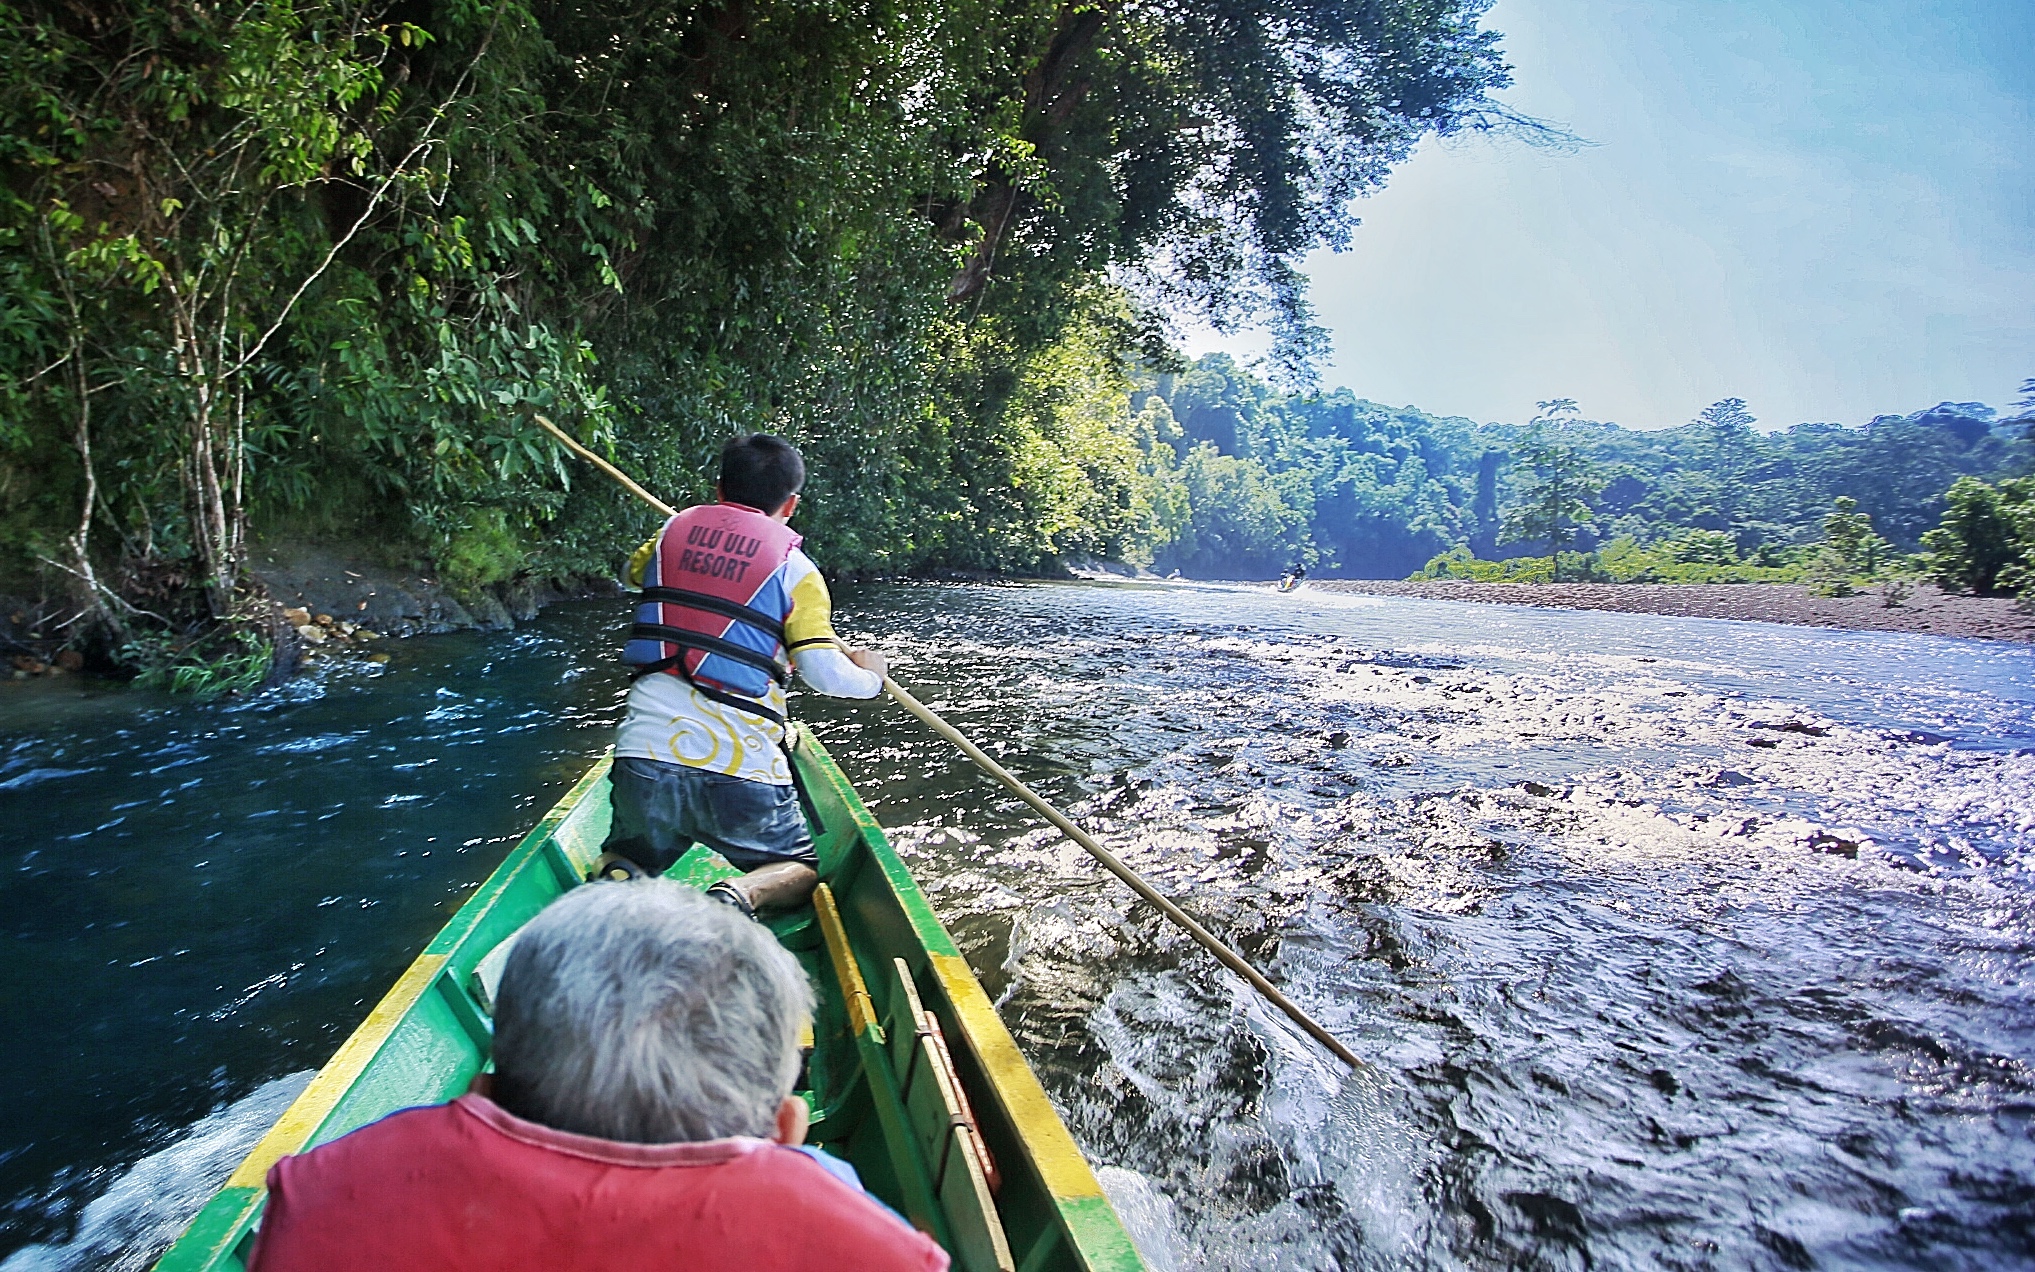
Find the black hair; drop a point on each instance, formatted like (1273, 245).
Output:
(761, 471)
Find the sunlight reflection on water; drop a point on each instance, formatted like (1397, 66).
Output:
(1671, 941)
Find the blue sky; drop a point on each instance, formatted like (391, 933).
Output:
(1825, 208)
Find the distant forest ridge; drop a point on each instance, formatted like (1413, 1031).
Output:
(1362, 490)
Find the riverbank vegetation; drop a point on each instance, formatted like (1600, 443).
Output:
(306, 267)
(1359, 489)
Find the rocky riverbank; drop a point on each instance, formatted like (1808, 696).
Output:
(354, 589)
(1926, 610)
(330, 601)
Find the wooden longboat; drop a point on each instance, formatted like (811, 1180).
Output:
(912, 1077)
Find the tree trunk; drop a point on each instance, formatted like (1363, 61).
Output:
(217, 492)
(91, 592)
(211, 473)
(1050, 95)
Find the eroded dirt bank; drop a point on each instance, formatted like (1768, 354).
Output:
(354, 587)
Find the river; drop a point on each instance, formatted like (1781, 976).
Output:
(1669, 942)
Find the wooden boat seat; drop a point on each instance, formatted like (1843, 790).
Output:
(920, 1105)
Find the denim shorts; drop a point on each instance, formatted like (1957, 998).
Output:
(660, 810)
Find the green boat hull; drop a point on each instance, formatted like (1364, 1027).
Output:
(903, 1033)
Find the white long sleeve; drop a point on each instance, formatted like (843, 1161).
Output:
(827, 670)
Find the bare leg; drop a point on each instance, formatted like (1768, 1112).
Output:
(778, 887)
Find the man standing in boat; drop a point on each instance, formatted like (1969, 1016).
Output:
(728, 605)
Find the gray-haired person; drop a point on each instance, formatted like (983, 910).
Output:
(640, 1116)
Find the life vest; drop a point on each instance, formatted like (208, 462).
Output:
(713, 605)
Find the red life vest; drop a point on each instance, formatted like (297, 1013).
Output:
(713, 604)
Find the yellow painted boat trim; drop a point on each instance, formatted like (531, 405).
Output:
(302, 1118)
(1061, 1165)
(854, 990)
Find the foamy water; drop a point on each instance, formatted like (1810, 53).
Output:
(143, 1208)
(1669, 942)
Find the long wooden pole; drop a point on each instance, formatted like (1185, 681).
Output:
(572, 444)
(987, 763)
(1208, 941)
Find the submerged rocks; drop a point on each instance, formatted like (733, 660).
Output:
(1802, 727)
(1835, 845)
(1924, 609)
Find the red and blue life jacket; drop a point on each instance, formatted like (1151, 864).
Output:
(713, 605)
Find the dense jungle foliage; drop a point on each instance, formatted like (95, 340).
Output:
(1249, 479)
(307, 267)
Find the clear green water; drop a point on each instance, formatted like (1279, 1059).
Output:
(1630, 998)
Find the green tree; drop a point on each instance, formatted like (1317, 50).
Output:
(2026, 415)
(1986, 542)
(169, 164)
(1850, 535)
(1732, 445)
(1204, 147)
(1564, 488)
(1703, 547)
(1240, 520)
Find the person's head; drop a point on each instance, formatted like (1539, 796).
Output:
(761, 471)
(645, 1012)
